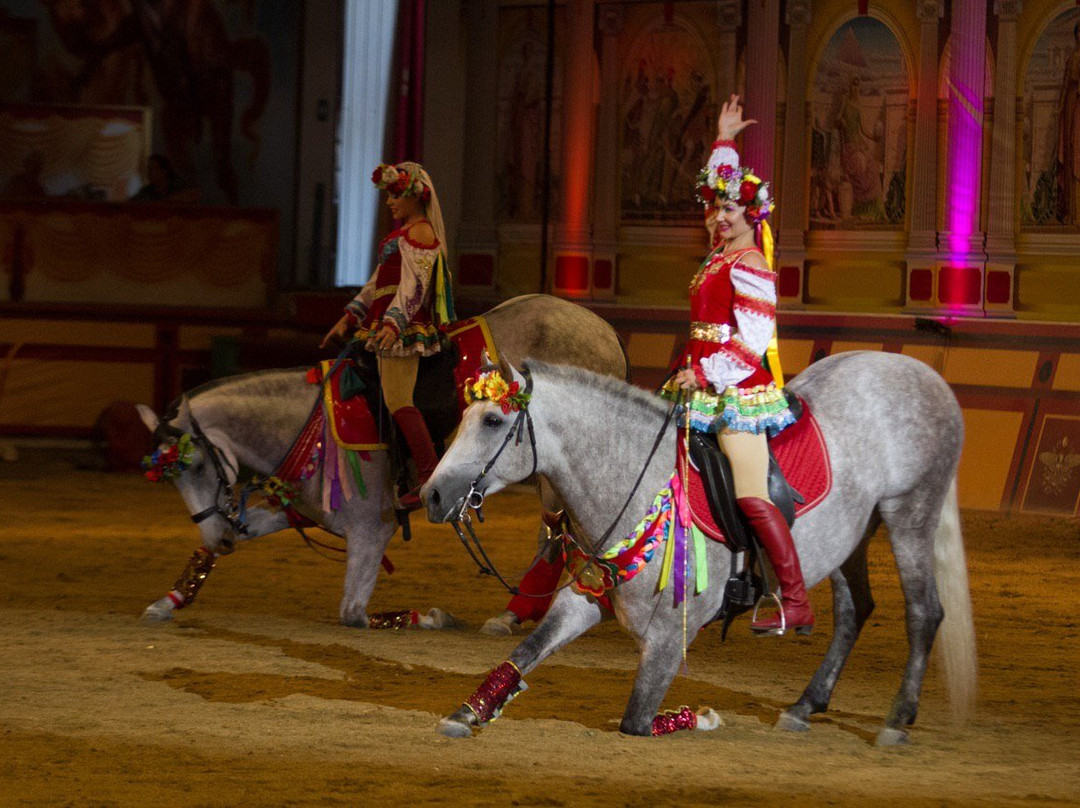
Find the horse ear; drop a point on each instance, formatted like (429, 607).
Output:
(183, 411)
(149, 417)
(486, 365)
(510, 373)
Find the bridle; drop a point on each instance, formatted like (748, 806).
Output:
(462, 522)
(474, 500)
(233, 511)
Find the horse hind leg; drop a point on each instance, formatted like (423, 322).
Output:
(912, 521)
(852, 605)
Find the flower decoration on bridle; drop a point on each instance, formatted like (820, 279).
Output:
(399, 181)
(738, 184)
(491, 386)
(171, 459)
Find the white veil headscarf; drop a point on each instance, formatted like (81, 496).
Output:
(431, 207)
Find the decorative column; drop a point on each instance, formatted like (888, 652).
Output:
(791, 207)
(606, 205)
(728, 20)
(922, 238)
(573, 239)
(960, 279)
(478, 239)
(1001, 219)
(762, 62)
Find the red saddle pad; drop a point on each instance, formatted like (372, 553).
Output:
(803, 457)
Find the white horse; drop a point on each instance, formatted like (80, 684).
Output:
(893, 430)
(253, 419)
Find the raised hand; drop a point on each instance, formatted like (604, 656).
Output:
(731, 120)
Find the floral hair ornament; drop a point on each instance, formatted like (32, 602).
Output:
(491, 386)
(170, 459)
(400, 181)
(738, 184)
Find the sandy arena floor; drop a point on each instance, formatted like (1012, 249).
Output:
(256, 697)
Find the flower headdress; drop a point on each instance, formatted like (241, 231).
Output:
(170, 459)
(403, 180)
(491, 386)
(738, 184)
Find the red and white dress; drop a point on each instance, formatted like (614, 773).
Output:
(400, 294)
(733, 316)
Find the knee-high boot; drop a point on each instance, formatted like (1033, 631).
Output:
(772, 531)
(411, 423)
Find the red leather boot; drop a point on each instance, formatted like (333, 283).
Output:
(413, 428)
(772, 531)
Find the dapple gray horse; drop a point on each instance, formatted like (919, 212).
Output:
(893, 430)
(253, 420)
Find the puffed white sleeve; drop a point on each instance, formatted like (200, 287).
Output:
(414, 288)
(755, 319)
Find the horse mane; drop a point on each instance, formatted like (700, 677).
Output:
(640, 399)
(242, 380)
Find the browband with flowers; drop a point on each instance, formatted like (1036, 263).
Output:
(736, 184)
(491, 386)
(170, 459)
(400, 181)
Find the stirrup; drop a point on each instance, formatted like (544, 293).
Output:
(769, 632)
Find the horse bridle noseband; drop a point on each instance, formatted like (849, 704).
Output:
(474, 500)
(234, 515)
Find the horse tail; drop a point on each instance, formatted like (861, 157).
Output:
(252, 55)
(956, 635)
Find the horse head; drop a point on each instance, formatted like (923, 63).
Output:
(494, 446)
(204, 468)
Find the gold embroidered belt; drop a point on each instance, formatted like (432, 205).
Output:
(710, 332)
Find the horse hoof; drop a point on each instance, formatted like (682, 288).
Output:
(890, 736)
(438, 619)
(789, 722)
(708, 720)
(453, 728)
(159, 611)
(501, 626)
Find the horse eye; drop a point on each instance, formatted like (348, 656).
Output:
(492, 420)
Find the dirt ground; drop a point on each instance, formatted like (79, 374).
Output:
(255, 696)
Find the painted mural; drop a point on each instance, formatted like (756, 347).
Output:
(521, 117)
(218, 76)
(859, 101)
(668, 112)
(1051, 193)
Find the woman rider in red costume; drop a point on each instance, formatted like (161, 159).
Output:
(400, 309)
(728, 383)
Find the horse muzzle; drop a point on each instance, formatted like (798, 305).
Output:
(440, 507)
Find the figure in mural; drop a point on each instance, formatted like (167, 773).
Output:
(667, 108)
(858, 152)
(187, 49)
(858, 164)
(525, 132)
(1068, 155)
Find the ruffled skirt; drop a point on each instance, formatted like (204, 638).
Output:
(763, 408)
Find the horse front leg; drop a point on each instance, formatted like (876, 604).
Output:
(366, 541)
(660, 660)
(570, 616)
(261, 521)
